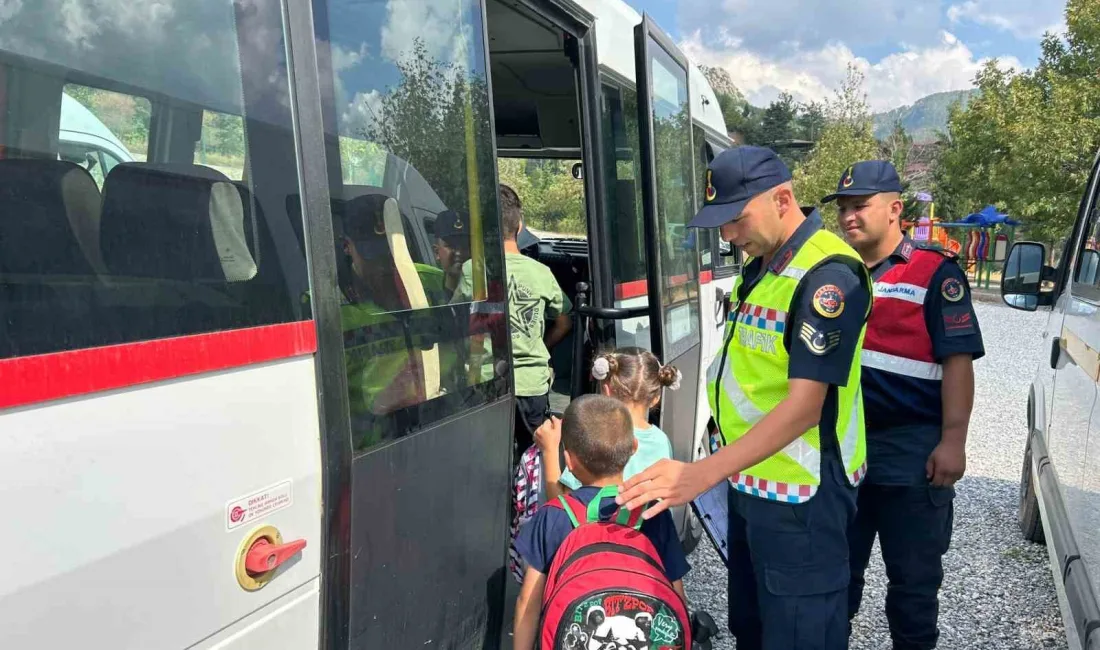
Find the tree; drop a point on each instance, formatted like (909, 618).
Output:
(811, 121)
(779, 120)
(1026, 144)
(847, 137)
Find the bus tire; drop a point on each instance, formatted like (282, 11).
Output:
(1031, 524)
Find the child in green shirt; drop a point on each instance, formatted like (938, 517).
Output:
(636, 378)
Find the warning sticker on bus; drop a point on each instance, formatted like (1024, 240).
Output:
(258, 505)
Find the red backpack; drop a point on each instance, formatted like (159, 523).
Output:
(607, 589)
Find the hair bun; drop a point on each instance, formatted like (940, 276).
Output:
(669, 377)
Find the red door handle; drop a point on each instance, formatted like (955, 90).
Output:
(265, 556)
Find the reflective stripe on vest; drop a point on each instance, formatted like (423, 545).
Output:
(897, 332)
(749, 379)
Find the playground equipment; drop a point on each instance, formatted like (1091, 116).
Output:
(987, 244)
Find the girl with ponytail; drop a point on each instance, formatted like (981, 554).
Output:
(635, 377)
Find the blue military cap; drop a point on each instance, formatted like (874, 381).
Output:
(867, 177)
(734, 178)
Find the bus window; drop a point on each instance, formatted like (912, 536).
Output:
(100, 129)
(121, 234)
(714, 254)
(221, 144)
(675, 201)
(411, 158)
(622, 152)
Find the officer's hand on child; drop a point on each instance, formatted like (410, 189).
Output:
(548, 435)
(947, 464)
(669, 482)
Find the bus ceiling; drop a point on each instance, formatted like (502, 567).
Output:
(534, 76)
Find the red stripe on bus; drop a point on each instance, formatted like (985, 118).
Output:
(39, 378)
(633, 289)
(638, 288)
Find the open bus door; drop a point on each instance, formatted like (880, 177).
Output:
(664, 118)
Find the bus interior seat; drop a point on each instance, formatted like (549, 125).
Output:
(181, 237)
(49, 254)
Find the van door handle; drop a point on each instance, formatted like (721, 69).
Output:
(1055, 351)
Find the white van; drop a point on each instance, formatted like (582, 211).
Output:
(1060, 484)
(86, 141)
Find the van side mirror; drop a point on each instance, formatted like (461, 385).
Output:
(577, 171)
(1023, 276)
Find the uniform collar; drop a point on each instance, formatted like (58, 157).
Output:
(801, 235)
(904, 250)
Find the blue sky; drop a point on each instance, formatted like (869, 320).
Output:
(906, 48)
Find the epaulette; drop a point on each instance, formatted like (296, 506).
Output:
(925, 246)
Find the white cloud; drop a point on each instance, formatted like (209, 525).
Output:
(777, 28)
(1024, 19)
(361, 113)
(436, 24)
(895, 80)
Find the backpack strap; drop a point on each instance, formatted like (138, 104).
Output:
(578, 512)
(573, 508)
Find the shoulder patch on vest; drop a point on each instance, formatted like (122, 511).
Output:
(829, 301)
(952, 290)
(818, 342)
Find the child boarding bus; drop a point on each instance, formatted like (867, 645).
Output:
(238, 407)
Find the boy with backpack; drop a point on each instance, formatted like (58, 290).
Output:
(598, 576)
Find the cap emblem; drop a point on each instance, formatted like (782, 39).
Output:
(847, 180)
(711, 192)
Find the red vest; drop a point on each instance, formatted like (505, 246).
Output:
(897, 338)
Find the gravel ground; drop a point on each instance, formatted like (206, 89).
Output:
(998, 591)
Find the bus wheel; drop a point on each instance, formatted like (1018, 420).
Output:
(1031, 524)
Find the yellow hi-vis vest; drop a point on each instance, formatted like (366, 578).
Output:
(749, 378)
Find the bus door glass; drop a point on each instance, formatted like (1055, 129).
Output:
(412, 180)
(668, 180)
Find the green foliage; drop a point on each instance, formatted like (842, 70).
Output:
(846, 138)
(1026, 143)
(426, 120)
(553, 201)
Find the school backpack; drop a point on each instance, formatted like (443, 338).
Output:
(526, 485)
(607, 589)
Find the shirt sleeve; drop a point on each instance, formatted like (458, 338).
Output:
(827, 321)
(949, 312)
(464, 291)
(661, 530)
(538, 539)
(557, 303)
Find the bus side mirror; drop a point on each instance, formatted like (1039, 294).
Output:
(1024, 274)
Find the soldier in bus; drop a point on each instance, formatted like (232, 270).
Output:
(918, 390)
(538, 312)
(452, 247)
(784, 394)
(384, 372)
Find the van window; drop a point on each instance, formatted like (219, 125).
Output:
(118, 231)
(1086, 274)
(411, 156)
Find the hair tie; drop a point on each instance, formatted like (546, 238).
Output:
(676, 382)
(600, 369)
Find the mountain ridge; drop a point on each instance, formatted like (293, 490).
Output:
(925, 118)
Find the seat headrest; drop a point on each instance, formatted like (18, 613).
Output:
(178, 222)
(49, 218)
